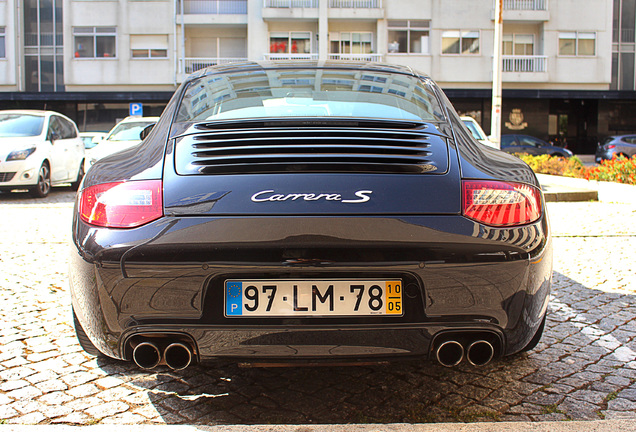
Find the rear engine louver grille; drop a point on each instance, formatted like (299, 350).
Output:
(270, 149)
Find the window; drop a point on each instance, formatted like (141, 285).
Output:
(95, 42)
(519, 45)
(409, 37)
(577, 43)
(149, 46)
(3, 53)
(63, 128)
(351, 43)
(460, 42)
(290, 42)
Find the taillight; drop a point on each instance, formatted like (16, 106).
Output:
(122, 205)
(610, 146)
(500, 203)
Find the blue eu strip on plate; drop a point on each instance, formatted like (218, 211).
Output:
(233, 298)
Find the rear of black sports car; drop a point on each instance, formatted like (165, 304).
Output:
(312, 212)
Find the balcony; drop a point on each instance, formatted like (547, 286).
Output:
(525, 5)
(312, 4)
(525, 68)
(286, 56)
(525, 64)
(525, 11)
(214, 7)
(355, 4)
(193, 64)
(357, 57)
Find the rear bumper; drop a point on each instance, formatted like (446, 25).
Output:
(459, 276)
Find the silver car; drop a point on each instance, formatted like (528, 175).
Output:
(617, 145)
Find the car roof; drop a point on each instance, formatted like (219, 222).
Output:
(30, 112)
(305, 64)
(131, 119)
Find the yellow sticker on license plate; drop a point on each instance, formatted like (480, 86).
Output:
(334, 297)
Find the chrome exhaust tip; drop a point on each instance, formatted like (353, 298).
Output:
(450, 353)
(177, 356)
(480, 353)
(146, 355)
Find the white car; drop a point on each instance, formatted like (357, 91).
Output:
(122, 136)
(91, 139)
(477, 132)
(39, 149)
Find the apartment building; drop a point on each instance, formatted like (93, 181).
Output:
(91, 58)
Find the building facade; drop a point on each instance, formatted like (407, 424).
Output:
(564, 73)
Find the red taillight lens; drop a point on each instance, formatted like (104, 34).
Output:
(122, 205)
(610, 146)
(500, 203)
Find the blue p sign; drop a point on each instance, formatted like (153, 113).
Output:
(136, 109)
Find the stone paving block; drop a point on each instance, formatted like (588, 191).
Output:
(106, 409)
(620, 404)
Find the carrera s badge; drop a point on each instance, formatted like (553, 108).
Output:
(272, 196)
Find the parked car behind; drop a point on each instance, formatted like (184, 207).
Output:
(617, 145)
(477, 132)
(91, 139)
(39, 149)
(309, 220)
(122, 136)
(531, 145)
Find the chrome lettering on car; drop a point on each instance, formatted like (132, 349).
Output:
(271, 196)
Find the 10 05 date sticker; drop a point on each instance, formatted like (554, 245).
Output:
(250, 298)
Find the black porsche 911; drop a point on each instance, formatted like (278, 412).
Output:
(309, 212)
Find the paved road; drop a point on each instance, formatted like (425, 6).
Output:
(584, 368)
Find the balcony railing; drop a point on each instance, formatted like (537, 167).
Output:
(355, 4)
(529, 5)
(313, 4)
(215, 7)
(193, 64)
(285, 56)
(525, 64)
(356, 57)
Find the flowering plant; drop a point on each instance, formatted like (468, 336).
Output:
(618, 169)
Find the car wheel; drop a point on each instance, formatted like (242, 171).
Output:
(80, 175)
(83, 339)
(43, 186)
(536, 338)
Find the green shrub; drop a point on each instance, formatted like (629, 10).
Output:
(554, 165)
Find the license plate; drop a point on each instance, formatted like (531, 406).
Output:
(284, 298)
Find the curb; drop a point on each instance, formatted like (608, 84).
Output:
(557, 188)
(561, 426)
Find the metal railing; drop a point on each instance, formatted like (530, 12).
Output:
(285, 56)
(525, 64)
(355, 4)
(291, 4)
(214, 7)
(529, 5)
(193, 64)
(356, 57)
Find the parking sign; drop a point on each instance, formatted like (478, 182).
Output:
(136, 109)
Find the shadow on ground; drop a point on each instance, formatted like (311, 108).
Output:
(572, 374)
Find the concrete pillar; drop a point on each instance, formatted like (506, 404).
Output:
(323, 30)
(257, 31)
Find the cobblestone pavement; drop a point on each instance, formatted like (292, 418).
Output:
(584, 368)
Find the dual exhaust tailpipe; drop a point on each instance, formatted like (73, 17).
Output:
(148, 355)
(478, 352)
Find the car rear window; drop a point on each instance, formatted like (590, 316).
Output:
(323, 93)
